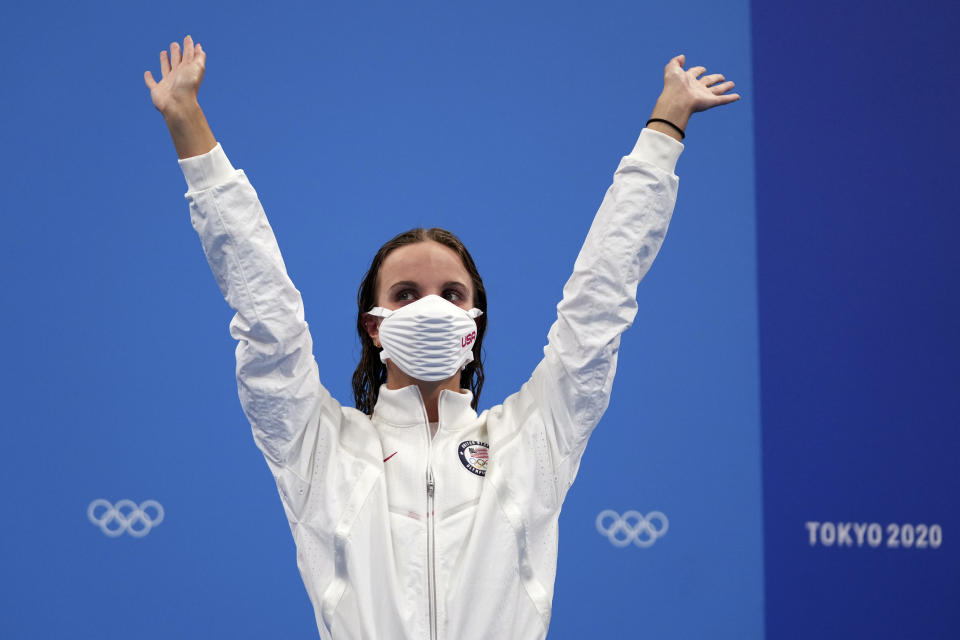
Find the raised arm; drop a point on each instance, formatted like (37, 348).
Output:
(295, 421)
(175, 96)
(570, 388)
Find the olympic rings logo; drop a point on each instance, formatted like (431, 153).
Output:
(125, 516)
(632, 526)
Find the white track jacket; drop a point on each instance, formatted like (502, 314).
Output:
(399, 536)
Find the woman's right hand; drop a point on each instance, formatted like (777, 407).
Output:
(175, 96)
(181, 75)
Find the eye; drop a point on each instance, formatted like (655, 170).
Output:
(405, 295)
(453, 295)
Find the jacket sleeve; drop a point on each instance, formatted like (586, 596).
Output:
(570, 388)
(277, 376)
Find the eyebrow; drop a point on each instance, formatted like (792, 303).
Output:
(414, 285)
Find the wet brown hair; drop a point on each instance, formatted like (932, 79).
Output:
(371, 372)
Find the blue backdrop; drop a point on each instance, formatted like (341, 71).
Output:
(504, 123)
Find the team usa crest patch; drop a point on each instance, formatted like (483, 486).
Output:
(474, 456)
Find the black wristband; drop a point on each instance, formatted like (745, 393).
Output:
(667, 122)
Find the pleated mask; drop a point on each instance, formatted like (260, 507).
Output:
(429, 339)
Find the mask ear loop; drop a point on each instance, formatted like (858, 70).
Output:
(380, 312)
(474, 314)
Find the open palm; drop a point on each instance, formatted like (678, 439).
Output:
(697, 91)
(181, 75)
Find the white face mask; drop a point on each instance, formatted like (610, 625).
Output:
(430, 339)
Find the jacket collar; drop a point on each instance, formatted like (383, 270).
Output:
(404, 408)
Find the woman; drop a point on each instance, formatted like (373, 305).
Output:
(413, 516)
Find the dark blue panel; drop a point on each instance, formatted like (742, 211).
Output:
(859, 304)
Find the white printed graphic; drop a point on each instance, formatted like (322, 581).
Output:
(873, 534)
(125, 516)
(632, 527)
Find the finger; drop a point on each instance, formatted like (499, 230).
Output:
(675, 62)
(696, 71)
(717, 101)
(174, 55)
(728, 98)
(148, 78)
(722, 88)
(187, 49)
(164, 64)
(711, 79)
(201, 55)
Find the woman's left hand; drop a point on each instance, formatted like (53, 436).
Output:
(687, 91)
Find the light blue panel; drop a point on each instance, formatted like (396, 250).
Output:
(682, 433)
(502, 123)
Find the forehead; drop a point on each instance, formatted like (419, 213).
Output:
(423, 262)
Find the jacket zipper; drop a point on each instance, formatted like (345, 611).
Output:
(431, 564)
(431, 542)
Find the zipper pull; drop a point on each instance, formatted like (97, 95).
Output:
(430, 485)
